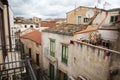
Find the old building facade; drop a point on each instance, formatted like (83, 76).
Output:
(32, 46)
(67, 57)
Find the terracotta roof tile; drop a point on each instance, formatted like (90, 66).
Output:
(65, 29)
(48, 23)
(34, 36)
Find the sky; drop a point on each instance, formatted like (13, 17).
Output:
(54, 8)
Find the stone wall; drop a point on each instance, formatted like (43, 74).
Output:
(34, 49)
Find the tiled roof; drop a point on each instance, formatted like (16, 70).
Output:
(64, 29)
(48, 23)
(34, 36)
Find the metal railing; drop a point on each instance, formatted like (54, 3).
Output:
(16, 66)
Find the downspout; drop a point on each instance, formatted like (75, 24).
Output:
(10, 46)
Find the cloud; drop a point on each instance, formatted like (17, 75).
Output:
(52, 8)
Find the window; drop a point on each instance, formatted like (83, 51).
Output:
(37, 59)
(113, 18)
(30, 52)
(64, 53)
(51, 71)
(79, 19)
(37, 26)
(25, 26)
(31, 26)
(52, 48)
(86, 20)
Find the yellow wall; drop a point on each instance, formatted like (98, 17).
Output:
(73, 15)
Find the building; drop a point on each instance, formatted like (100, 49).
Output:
(85, 47)
(12, 64)
(23, 25)
(60, 20)
(5, 37)
(54, 40)
(65, 58)
(32, 46)
(102, 19)
(36, 19)
(81, 15)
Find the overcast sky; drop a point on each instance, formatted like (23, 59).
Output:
(54, 8)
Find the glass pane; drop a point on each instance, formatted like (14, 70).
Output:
(112, 19)
(116, 18)
(79, 19)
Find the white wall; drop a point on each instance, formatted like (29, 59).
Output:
(58, 50)
(101, 16)
(86, 61)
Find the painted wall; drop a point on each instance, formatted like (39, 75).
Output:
(72, 17)
(47, 58)
(101, 16)
(89, 62)
(111, 35)
(83, 59)
(21, 27)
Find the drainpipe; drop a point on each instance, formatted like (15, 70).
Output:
(10, 46)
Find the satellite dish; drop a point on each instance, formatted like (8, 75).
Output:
(89, 14)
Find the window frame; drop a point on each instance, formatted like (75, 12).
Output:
(25, 26)
(86, 20)
(79, 19)
(114, 18)
(64, 53)
(52, 47)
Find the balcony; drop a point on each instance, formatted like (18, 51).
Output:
(16, 66)
(49, 56)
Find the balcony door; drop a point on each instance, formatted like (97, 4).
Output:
(51, 71)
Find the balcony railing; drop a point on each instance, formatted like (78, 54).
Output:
(16, 66)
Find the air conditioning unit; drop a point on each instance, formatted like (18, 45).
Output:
(71, 78)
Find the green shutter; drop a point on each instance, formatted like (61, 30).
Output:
(112, 19)
(52, 48)
(51, 71)
(64, 53)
